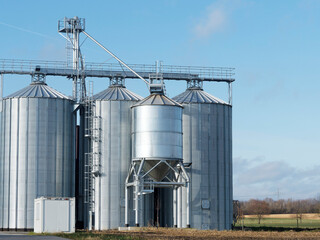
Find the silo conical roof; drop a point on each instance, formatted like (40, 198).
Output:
(157, 99)
(38, 90)
(117, 93)
(197, 95)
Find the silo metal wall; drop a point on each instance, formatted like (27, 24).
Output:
(157, 132)
(115, 161)
(207, 143)
(37, 156)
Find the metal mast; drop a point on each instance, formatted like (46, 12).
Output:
(72, 27)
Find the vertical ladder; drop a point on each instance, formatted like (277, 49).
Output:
(69, 50)
(88, 105)
(92, 157)
(93, 131)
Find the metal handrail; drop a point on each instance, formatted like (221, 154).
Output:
(202, 72)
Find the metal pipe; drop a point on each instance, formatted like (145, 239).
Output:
(129, 174)
(165, 183)
(126, 208)
(175, 207)
(140, 167)
(185, 173)
(130, 184)
(90, 221)
(179, 213)
(188, 205)
(127, 185)
(137, 203)
(97, 210)
(118, 59)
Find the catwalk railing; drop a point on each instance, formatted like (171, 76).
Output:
(169, 72)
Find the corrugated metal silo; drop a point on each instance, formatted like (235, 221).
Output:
(207, 144)
(156, 136)
(157, 132)
(113, 108)
(37, 152)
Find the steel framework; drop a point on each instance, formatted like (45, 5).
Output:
(138, 179)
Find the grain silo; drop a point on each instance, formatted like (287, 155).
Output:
(37, 152)
(156, 152)
(207, 146)
(113, 111)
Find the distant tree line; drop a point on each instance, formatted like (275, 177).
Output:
(270, 206)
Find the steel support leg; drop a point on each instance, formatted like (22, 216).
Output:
(126, 208)
(137, 203)
(175, 209)
(90, 221)
(179, 210)
(188, 205)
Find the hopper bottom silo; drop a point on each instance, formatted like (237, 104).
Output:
(156, 168)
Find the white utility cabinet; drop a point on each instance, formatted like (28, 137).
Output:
(54, 214)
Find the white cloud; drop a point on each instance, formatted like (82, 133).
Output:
(265, 172)
(213, 21)
(261, 179)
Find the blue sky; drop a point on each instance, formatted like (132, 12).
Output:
(274, 46)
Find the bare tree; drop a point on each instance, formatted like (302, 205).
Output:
(297, 207)
(237, 213)
(317, 207)
(259, 208)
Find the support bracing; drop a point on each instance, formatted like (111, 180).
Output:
(140, 180)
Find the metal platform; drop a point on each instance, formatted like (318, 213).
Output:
(109, 70)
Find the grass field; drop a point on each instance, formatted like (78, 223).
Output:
(278, 222)
(282, 220)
